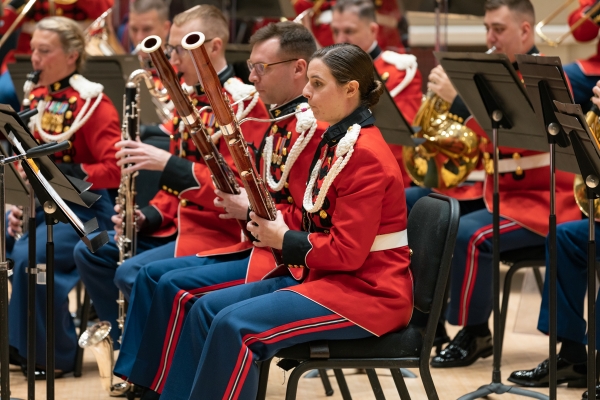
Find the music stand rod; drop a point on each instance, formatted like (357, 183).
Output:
(31, 287)
(4, 346)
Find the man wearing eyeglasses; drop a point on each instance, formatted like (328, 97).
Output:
(164, 291)
(182, 213)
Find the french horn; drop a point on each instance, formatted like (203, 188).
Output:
(579, 187)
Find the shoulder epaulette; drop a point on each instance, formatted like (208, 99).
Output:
(86, 88)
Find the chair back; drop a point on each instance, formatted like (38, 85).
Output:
(432, 229)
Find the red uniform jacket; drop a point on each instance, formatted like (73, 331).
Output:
(184, 205)
(373, 289)
(586, 32)
(80, 10)
(91, 156)
(395, 70)
(388, 16)
(289, 199)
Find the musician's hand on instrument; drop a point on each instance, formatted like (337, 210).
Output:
(234, 205)
(268, 233)
(596, 98)
(118, 221)
(15, 221)
(440, 84)
(143, 156)
(140, 218)
(21, 171)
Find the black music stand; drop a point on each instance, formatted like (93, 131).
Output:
(391, 122)
(586, 149)
(52, 188)
(493, 92)
(545, 82)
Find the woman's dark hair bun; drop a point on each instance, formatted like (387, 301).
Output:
(372, 97)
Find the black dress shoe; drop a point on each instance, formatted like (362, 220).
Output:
(463, 350)
(149, 394)
(40, 374)
(441, 338)
(584, 396)
(14, 357)
(574, 375)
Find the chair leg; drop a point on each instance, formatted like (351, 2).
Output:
(263, 379)
(85, 316)
(326, 382)
(428, 381)
(292, 386)
(341, 381)
(400, 384)
(538, 279)
(375, 385)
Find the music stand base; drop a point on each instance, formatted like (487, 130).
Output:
(500, 388)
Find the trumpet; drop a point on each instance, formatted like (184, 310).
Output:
(555, 42)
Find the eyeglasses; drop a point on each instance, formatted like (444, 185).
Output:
(260, 67)
(169, 49)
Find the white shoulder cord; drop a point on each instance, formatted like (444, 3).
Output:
(243, 112)
(402, 62)
(343, 152)
(80, 120)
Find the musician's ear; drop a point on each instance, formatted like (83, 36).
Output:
(352, 89)
(217, 45)
(301, 66)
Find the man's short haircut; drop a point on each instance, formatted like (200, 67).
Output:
(212, 19)
(295, 41)
(523, 7)
(364, 8)
(144, 6)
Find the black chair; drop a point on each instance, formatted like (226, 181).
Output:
(529, 257)
(432, 229)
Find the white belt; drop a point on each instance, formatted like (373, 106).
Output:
(476, 176)
(390, 241)
(524, 163)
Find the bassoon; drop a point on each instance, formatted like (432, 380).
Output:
(222, 175)
(259, 196)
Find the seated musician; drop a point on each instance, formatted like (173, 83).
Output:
(351, 167)
(388, 14)
(353, 21)
(509, 25)
(164, 291)
(571, 247)
(75, 109)
(181, 219)
(82, 11)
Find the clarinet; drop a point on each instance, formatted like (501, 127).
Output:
(259, 196)
(222, 175)
(127, 240)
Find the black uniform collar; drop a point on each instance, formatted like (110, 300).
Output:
(287, 108)
(224, 75)
(361, 116)
(534, 50)
(376, 52)
(60, 85)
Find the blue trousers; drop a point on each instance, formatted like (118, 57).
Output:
(97, 272)
(230, 330)
(128, 271)
(581, 84)
(163, 293)
(572, 240)
(8, 95)
(65, 278)
(471, 297)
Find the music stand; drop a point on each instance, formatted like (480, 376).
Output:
(586, 149)
(51, 186)
(545, 82)
(493, 92)
(391, 122)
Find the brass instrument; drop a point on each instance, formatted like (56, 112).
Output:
(100, 37)
(579, 187)
(16, 22)
(97, 337)
(259, 196)
(555, 42)
(451, 150)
